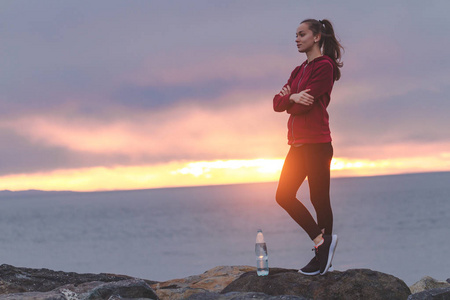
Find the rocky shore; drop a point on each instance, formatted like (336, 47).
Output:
(220, 283)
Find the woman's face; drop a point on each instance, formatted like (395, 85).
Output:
(305, 38)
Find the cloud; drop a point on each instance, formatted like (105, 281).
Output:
(202, 82)
(22, 154)
(418, 116)
(183, 132)
(171, 69)
(120, 84)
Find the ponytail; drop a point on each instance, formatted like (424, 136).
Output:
(328, 42)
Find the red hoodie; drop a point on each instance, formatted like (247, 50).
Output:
(309, 123)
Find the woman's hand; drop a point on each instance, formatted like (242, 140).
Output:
(285, 91)
(302, 98)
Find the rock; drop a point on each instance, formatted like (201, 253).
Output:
(219, 283)
(7, 288)
(127, 289)
(242, 296)
(433, 294)
(214, 280)
(132, 289)
(14, 279)
(348, 285)
(427, 283)
(43, 284)
(36, 296)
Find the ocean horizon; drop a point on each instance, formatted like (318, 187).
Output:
(387, 223)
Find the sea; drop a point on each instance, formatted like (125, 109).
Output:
(396, 224)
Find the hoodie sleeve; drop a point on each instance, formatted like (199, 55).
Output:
(282, 103)
(321, 82)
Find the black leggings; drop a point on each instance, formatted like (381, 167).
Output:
(312, 160)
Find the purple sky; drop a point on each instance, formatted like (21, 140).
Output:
(108, 83)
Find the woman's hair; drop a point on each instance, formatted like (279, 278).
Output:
(328, 42)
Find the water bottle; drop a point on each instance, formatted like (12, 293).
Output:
(262, 261)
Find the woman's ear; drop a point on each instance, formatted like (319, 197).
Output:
(317, 38)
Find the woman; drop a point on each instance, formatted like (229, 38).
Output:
(305, 98)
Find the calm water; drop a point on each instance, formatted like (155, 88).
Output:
(393, 224)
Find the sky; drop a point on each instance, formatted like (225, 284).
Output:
(107, 94)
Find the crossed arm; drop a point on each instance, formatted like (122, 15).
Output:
(300, 98)
(302, 102)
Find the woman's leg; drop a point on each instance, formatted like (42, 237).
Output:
(292, 176)
(319, 161)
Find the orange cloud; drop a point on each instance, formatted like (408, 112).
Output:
(242, 131)
(192, 139)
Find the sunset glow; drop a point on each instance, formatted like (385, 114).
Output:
(141, 109)
(198, 173)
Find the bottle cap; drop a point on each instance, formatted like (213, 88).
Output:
(259, 237)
